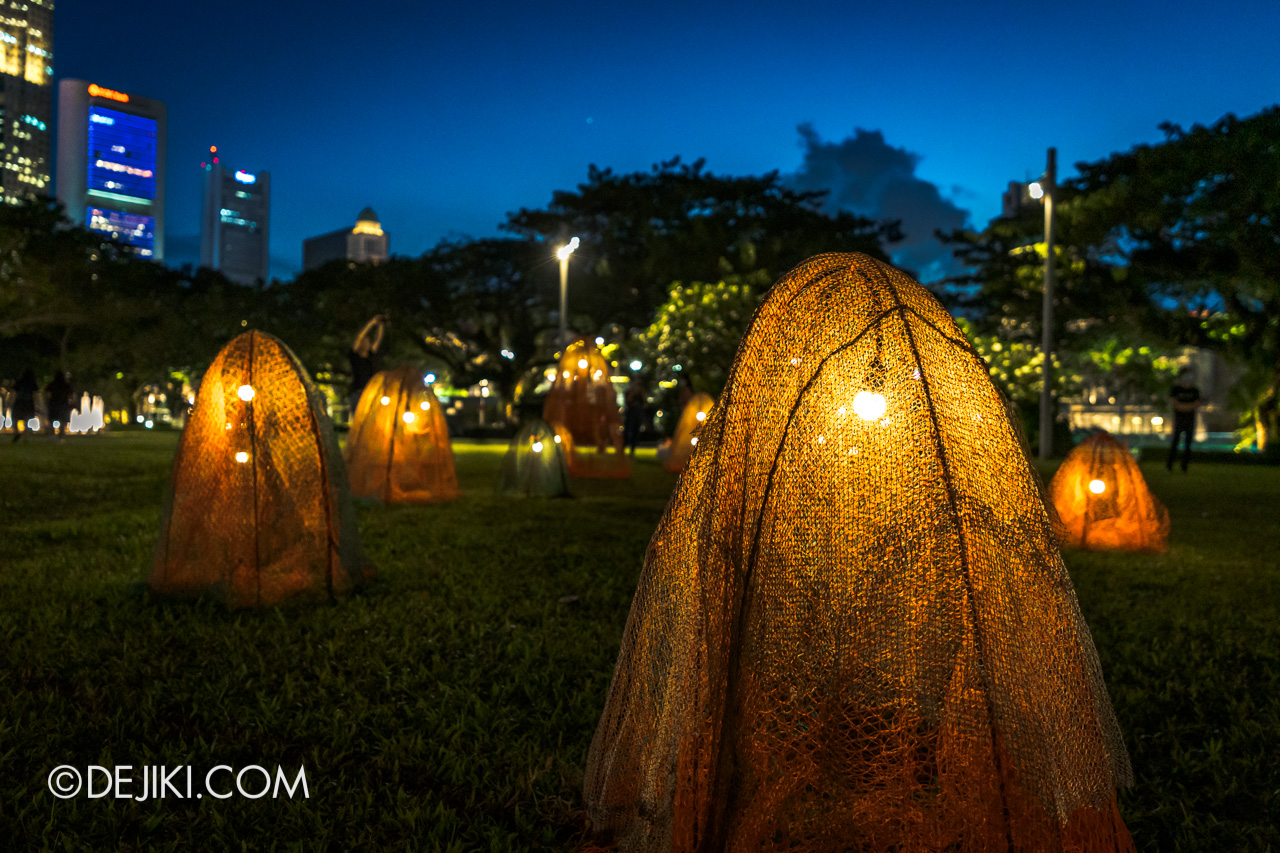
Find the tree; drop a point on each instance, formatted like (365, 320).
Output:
(677, 222)
(1195, 223)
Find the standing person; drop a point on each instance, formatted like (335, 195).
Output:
(633, 419)
(1186, 399)
(24, 401)
(363, 356)
(59, 391)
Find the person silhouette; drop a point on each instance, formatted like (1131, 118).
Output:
(363, 356)
(1186, 399)
(60, 403)
(24, 401)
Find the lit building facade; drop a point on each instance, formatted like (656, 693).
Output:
(111, 164)
(366, 242)
(26, 98)
(235, 223)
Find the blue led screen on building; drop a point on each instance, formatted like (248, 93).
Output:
(132, 229)
(122, 155)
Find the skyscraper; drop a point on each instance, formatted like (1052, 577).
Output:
(26, 97)
(364, 243)
(111, 164)
(235, 224)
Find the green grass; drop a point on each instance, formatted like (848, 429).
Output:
(450, 706)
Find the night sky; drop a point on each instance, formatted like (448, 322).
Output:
(444, 117)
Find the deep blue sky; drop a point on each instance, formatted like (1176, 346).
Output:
(445, 116)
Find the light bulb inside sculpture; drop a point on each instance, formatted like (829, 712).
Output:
(1097, 486)
(424, 405)
(245, 392)
(242, 457)
(537, 447)
(582, 364)
(557, 439)
(385, 401)
(701, 416)
(408, 417)
(868, 405)
(694, 441)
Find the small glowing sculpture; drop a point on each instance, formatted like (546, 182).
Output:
(535, 464)
(1103, 502)
(686, 436)
(583, 401)
(398, 450)
(89, 417)
(854, 629)
(258, 509)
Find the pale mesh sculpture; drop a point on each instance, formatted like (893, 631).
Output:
(687, 431)
(583, 401)
(535, 464)
(854, 630)
(1103, 502)
(258, 509)
(398, 449)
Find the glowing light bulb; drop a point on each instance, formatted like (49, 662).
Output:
(1097, 486)
(868, 405)
(385, 401)
(599, 342)
(537, 447)
(1157, 421)
(637, 364)
(424, 405)
(702, 416)
(408, 417)
(557, 439)
(566, 374)
(242, 457)
(694, 441)
(582, 364)
(245, 392)
(1035, 189)
(148, 424)
(151, 398)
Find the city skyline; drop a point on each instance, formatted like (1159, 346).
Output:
(446, 121)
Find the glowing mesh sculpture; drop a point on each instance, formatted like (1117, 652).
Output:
(854, 630)
(535, 464)
(1103, 502)
(258, 509)
(398, 450)
(687, 431)
(583, 401)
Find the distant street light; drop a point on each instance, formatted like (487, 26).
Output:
(563, 254)
(1045, 188)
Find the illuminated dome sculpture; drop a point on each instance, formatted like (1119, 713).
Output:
(535, 464)
(1103, 502)
(398, 450)
(258, 509)
(854, 630)
(687, 431)
(583, 401)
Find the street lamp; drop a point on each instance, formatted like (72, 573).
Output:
(563, 254)
(1044, 188)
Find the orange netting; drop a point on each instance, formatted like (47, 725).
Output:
(535, 464)
(854, 630)
(582, 408)
(1103, 501)
(258, 509)
(687, 431)
(398, 450)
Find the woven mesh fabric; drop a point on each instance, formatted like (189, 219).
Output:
(398, 450)
(687, 431)
(854, 629)
(582, 398)
(591, 464)
(258, 509)
(1103, 502)
(535, 464)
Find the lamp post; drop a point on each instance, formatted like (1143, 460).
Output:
(1044, 188)
(563, 254)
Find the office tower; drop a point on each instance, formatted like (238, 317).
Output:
(365, 242)
(111, 164)
(234, 227)
(26, 97)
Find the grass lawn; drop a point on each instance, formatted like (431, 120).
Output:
(450, 706)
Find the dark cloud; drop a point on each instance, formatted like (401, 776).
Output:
(865, 175)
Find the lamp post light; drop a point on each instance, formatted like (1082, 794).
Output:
(1044, 188)
(563, 254)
